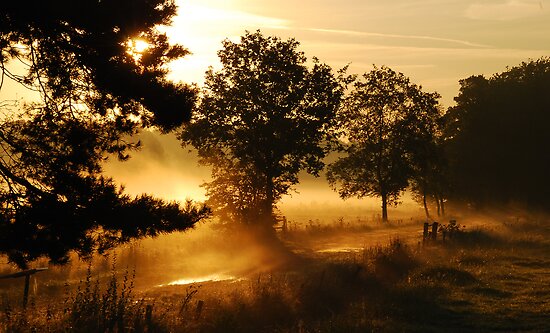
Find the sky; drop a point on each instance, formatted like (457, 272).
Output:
(434, 42)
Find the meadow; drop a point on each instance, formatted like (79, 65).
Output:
(337, 275)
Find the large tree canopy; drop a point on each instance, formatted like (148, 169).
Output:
(95, 90)
(387, 123)
(80, 52)
(262, 119)
(497, 137)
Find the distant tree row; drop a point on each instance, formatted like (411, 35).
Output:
(266, 116)
(388, 129)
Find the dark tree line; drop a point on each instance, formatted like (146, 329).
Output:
(95, 92)
(497, 138)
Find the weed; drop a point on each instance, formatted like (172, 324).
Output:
(97, 310)
(88, 309)
(390, 263)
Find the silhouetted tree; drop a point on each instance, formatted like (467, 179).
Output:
(497, 137)
(93, 90)
(429, 181)
(387, 122)
(263, 118)
(79, 54)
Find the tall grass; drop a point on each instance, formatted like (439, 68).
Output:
(91, 307)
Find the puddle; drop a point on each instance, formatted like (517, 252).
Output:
(341, 250)
(205, 278)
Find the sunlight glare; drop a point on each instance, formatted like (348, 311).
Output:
(139, 45)
(201, 26)
(136, 47)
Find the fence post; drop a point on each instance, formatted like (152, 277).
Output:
(435, 225)
(198, 311)
(27, 274)
(149, 315)
(26, 291)
(426, 232)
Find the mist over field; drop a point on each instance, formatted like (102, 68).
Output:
(159, 167)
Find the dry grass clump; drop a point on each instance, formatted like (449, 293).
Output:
(390, 263)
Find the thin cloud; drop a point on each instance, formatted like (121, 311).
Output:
(397, 36)
(403, 52)
(504, 11)
(203, 15)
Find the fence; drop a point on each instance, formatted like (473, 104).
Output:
(446, 230)
(27, 274)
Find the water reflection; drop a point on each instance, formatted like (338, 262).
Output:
(205, 278)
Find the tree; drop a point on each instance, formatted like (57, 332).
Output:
(496, 137)
(80, 55)
(262, 119)
(386, 122)
(429, 180)
(95, 90)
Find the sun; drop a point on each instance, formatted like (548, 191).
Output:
(139, 45)
(136, 47)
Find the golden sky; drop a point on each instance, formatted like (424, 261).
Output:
(434, 42)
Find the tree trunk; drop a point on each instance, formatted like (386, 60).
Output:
(384, 207)
(438, 205)
(442, 203)
(425, 205)
(267, 214)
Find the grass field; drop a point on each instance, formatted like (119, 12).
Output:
(342, 276)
